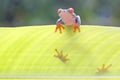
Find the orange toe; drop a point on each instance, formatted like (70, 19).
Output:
(76, 27)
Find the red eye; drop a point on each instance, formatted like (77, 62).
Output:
(71, 10)
(59, 10)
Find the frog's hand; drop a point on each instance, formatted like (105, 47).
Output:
(77, 24)
(59, 25)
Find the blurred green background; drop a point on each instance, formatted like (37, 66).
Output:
(44, 12)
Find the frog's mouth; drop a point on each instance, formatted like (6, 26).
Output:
(64, 14)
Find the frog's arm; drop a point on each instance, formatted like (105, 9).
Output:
(77, 24)
(59, 21)
(59, 25)
(78, 20)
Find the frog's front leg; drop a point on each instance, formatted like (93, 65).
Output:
(59, 25)
(77, 23)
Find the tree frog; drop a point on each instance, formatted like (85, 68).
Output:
(68, 17)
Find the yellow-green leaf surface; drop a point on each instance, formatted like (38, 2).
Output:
(68, 79)
(30, 51)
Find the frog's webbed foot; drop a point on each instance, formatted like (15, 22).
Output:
(76, 27)
(77, 24)
(59, 27)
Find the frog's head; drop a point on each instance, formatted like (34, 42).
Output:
(65, 12)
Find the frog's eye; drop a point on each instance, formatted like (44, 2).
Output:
(71, 10)
(59, 10)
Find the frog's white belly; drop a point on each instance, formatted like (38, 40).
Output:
(68, 19)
